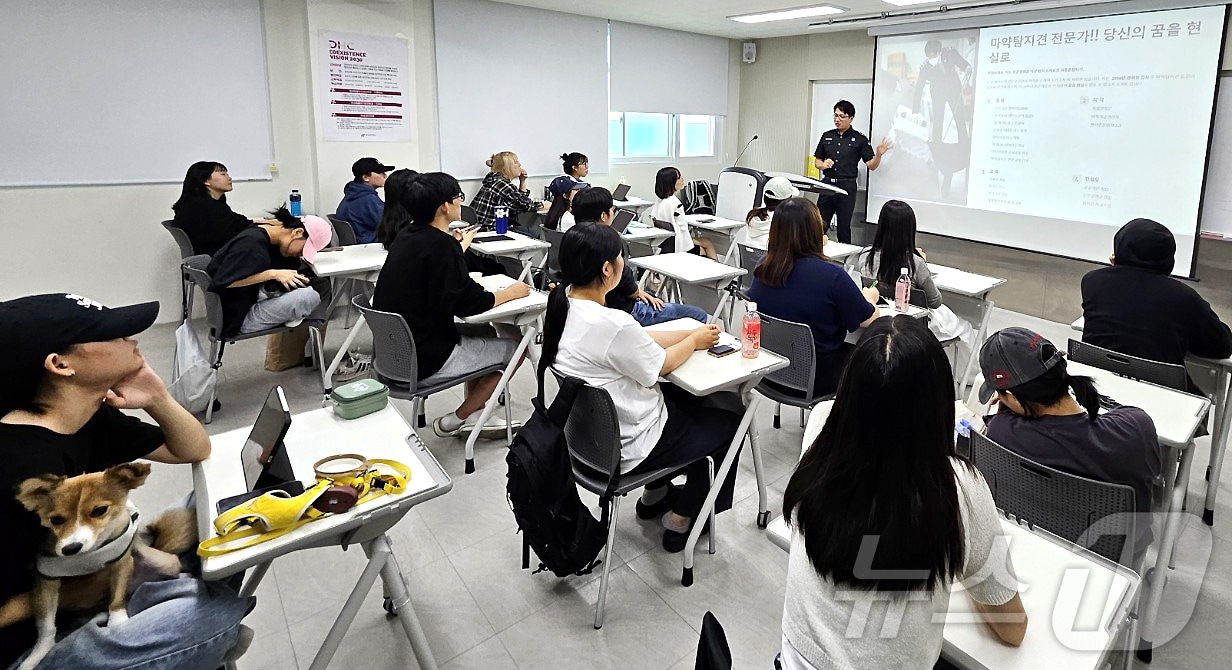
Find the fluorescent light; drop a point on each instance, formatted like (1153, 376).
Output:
(788, 14)
(908, 3)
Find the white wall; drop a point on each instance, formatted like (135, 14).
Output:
(106, 241)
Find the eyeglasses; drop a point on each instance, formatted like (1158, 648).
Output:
(841, 116)
(460, 196)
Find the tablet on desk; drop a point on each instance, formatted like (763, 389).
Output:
(623, 217)
(621, 192)
(264, 456)
(493, 238)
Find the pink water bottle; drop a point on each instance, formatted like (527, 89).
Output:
(902, 292)
(750, 333)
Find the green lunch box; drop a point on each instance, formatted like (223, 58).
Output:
(359, 398)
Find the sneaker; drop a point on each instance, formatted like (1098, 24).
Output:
(674, 542)
(656, 510)
(494, 429)
(293, 323)
(355, 365)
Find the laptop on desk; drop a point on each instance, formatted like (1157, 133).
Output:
(621, 192)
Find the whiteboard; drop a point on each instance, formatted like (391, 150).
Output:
(1217, 200)
(825, 94)
(131, 91)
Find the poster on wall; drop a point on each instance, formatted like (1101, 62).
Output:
(365, 88)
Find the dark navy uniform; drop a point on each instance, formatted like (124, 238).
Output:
(847, 150)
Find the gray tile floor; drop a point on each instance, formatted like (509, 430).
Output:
(462, 558)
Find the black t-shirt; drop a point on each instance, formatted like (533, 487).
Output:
(108, 439)
(621, 297)
(245, 255)
(847, 149)
(209, 223)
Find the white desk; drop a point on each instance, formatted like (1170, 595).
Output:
(718, 229)
(703, 374)
(685, 269)
(315, 435)
(968, 298)
(835, 251)
(645, 236)
(632, 202)
(524, 313)
(522, 248)
(1061, 587)
(357, 261)
(1222, 425)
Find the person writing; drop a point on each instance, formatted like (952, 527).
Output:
(425, 280)
(202, 211)
(838, 156)
(361, 206)
(661, 426)
(885, 517)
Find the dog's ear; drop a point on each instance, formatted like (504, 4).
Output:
(128, 475)
(34, 491)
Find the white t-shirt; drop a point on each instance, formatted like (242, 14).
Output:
(669, 209)
(606, 348)
(830, 628)
(566, 222)
(758, 231)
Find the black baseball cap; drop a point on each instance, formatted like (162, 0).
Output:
(368, 165)
(35, 326)
(1015, 356)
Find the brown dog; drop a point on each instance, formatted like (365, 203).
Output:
(86, 515)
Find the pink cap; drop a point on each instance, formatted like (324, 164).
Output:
(319, 235)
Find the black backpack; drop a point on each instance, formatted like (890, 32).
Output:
(543, 494)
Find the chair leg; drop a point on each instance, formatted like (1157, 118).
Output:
(803, 416)
(607, 560)
(216, 348)
(318, 351)
(710, 473)
(508, 423)
(420, 420)
(778, 406)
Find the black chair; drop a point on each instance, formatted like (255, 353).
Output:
(1154, 372)
(468, 215)
(186, 251)
(344, 233)
(593, 434)
(553, 237)
(194, 269)
(396, 365)
(794, 385)
(750, 258)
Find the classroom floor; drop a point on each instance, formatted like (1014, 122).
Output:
(461, 554)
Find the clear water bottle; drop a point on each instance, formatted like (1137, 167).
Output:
(296, 208)
(750, 333)
(902, 291)
(502, 220)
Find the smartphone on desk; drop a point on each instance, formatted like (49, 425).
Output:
(721, 350)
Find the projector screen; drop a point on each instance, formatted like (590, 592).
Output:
(1050, 136)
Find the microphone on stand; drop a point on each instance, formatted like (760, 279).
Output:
(746, 146)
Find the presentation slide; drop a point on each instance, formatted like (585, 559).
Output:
(1050, 136)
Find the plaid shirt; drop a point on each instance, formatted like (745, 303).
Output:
(497, 191)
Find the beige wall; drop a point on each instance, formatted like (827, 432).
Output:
(105, 241)
(775, 104)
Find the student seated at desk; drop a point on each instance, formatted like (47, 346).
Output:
(1041, 420)
(1135, 308)
(885, 516)
(668, 209)
(257, 278)
(563, 189)
(70, 366)
(361, 206)
(594, 205)
(661, 426)
(894, 248)
(394, 217)
(796, 282)
(425, 280)
(576, 165)
(775, 191)
(202, 211)
(498, 190)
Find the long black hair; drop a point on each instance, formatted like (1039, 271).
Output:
(665, 182)
(1051, 387)
(876, 500)
(425, 193)
(560, 205)
(194, 181)
(894, 243)
(394, 216)
(571, 160)
(583, 251)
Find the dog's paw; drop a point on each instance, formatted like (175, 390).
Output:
(116, 617)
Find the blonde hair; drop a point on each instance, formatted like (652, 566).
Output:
(501, 162)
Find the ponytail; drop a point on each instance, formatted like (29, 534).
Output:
(554, 325)
(1086, 394)
(759, 213)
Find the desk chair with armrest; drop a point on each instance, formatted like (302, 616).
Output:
(396, 363)
(194, 269)
(186, 251)
(592, 432)
(1097, 516)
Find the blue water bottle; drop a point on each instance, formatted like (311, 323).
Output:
(502, 220)
(295, 206)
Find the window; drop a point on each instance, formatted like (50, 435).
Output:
(638, 135)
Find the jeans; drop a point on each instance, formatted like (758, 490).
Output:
(275, 311)
(181, 624)
(646, 315)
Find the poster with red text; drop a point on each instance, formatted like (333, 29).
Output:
(365, 86)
